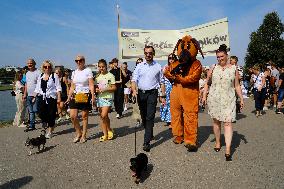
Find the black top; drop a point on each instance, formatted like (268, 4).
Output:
(63, 87)
(43, 85)
(127, 78)
(116, 73)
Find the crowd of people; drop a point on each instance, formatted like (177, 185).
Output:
(60, 94)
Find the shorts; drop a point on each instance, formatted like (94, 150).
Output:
(280, 95)
(81, 106)
(126, 91)
(103, 102)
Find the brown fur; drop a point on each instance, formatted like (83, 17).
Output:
(184, 95)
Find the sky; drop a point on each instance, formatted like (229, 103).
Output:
(60, 29)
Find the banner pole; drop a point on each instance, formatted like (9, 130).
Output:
(118, 31)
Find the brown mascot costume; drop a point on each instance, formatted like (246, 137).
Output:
(185, 74)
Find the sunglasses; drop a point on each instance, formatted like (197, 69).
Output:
(46, 67)
(150, 53)
(79, 60)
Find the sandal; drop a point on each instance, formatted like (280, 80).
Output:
(110, 134)
(76, 139)
(103, 138)
(83, 140)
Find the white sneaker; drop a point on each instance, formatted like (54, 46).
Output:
(125, 108)
(22, 125)
(68, 110)
(117, 116)
(265, 108)
(67, 116)
(59, 120)
(48, 135)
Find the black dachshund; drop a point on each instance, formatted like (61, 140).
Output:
(138, 165)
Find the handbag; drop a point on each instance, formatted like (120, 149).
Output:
(209, 82)
(81, 97)
(128, 84)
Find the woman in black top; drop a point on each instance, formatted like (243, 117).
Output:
(64, 86)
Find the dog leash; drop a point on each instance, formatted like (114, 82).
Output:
(134, 101)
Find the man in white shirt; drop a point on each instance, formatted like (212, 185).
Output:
(274, 81)
(147, 79)
(29, 92)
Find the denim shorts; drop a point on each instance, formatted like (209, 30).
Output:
(280, 95)
(101, 102)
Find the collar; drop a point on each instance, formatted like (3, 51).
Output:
(152, 63)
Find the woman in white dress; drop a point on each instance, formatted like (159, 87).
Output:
(223, 82)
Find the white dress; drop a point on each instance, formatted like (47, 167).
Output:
(222, 95)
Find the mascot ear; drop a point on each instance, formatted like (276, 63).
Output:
(197, 46)
(177, 46)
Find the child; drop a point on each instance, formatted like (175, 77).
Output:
(106, 87)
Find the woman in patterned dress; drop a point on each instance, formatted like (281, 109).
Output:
(165, 108)
(222, 98)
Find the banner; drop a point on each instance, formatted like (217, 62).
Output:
(210, 36)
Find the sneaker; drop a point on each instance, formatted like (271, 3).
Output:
(59, 120)
(48, 135)
(22, 125)
(278, 111)
(274, 107)
(125, 108)
(67, 116)
(265, 108)
(118, 116)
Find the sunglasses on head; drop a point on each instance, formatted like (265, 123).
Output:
(46, 67)
(79, 60)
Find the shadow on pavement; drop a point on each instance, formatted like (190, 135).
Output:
(71, 130)
(162, 137)
(126, 130)
(127, 114)
(46, 149)
(147, 173)
(203, 134)
(240, 116)
(17, 183)
(236, 141)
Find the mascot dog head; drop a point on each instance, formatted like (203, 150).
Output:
(187, 50)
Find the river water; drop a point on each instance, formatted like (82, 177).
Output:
(7, 106)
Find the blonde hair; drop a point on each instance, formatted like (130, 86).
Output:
(17, 75)
(256, 67)
(46, 62)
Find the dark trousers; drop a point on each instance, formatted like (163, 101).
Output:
(47, 110)
(259, 98)
(147, 101)
(119, 99)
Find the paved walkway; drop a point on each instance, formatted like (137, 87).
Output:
(258, 154)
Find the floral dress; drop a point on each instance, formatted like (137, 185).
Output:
(222, 95)
(165, 110)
